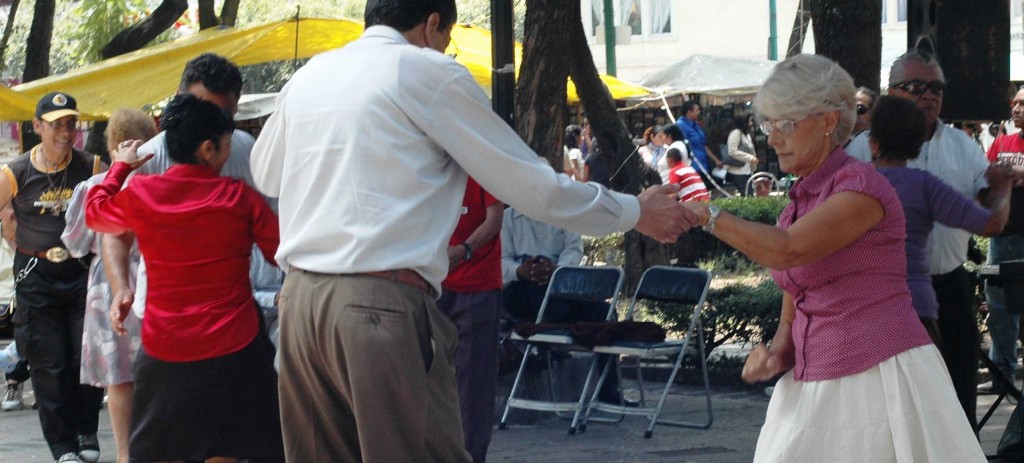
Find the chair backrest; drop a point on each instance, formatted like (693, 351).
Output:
(762, 176)
(660, 283)
(581, 283)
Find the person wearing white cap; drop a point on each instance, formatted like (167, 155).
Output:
(50, 285)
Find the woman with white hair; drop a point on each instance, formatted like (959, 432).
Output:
(863, 381)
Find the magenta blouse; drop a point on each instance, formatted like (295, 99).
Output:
(853, 308)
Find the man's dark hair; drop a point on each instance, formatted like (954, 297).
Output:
(572, 135)
(898, 126)
(688, 106)
(188, 122)
(403, 15)
(672, 131)
(674, 154)
(215, 72)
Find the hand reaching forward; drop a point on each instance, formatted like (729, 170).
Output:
(127, 152)
(662, 217)
(765, 363)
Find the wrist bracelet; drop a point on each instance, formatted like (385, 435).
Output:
(710, 226)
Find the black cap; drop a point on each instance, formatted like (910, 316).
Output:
(56, 105)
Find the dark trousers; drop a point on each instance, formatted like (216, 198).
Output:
(48, 329)
(522, 299)
(476, 317)
(958, 328)
(20, 373)
(740, 181)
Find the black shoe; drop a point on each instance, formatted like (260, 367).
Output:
(88, 448)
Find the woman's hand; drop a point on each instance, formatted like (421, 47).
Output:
(765, 363)
(119, 307)
(127, 152)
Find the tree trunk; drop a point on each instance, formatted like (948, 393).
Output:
(540, 105)
(207, 15)
(229, 12)
(37, 57)
(8, 29)
(554, 38)
(138, 35)
(134, 38)
(848, 32)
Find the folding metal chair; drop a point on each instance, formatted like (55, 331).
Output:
(672, 285)
(567, 283)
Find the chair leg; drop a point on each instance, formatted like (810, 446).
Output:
(583, 396)
(515, 386)
(640, 381)
(671, 380)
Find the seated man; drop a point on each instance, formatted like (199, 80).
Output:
(530, 253)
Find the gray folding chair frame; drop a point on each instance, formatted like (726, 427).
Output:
(569, 283)
(685, 286)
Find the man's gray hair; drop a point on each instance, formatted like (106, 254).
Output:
(897, 73)
(804, 85)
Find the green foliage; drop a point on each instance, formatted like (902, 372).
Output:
(764, 210)
(607, 249)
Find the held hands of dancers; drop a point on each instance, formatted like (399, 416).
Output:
(127, 152)
(662, 217)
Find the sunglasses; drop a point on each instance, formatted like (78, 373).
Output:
(862, 110)
(918, 87)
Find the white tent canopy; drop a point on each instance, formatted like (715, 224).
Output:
(710, 75)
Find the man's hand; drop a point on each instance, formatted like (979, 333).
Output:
(455, 255)
(119, 307)
(536, 269)
(662, 217)
(127, 152)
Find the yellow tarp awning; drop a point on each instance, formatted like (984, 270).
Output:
(15, 106)
(152, 74)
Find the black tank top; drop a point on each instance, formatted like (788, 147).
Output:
(40, 199)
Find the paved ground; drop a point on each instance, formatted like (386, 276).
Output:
(738, 415)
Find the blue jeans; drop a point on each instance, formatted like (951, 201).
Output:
(1003, 322)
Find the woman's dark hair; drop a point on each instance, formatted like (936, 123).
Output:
(187, 122)
(743, 123)
(403, 15)
(215, 72)
(673, 131)
(572, 136)
(898, 126)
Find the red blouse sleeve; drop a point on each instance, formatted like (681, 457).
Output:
(106, 206)
(265, 229)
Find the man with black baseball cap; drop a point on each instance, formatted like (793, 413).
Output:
(51, 285)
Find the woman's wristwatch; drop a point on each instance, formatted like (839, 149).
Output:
(710, 226)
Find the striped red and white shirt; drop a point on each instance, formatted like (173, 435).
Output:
(691, 187)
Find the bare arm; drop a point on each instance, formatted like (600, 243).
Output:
(486, 231)
(997, 197)
(8, 225)
(766, 362)
(835, 223)
(116, 265)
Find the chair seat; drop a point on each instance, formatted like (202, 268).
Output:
(559, 336)
(641, 349)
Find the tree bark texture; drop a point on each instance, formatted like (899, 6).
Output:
(37, 51)
(207, 15)
(540, 105)
(8, 29)
(554, 42)
(229, 12)
(848, 32)
(138, 35)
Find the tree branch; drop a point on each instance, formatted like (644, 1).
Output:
(137, 36)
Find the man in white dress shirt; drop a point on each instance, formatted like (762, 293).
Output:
(956, 159)
(366, 358)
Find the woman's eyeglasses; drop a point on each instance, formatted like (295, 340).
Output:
(917, 87)
(786, 126)
(862, 110)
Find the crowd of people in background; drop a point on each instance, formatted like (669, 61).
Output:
(160, 278)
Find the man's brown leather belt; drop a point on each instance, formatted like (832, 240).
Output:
(55, 254)
(407, 276)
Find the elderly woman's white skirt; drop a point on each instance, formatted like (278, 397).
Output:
(902, 410)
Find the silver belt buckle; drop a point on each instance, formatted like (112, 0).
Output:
(56, 254)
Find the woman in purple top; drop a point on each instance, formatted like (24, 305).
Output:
(863, 381)
(897, 132)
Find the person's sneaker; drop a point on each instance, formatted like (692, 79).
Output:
(12, 398)
(990, 388)
(69, 458)
(88, 448)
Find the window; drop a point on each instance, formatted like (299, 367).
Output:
(644, 17)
